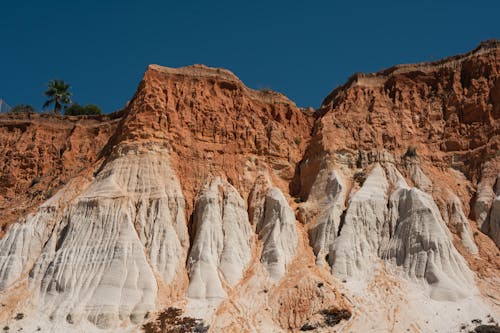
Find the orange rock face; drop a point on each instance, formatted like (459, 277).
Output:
(40, 153)
(444, 112)
(214, 125)
(448, 110)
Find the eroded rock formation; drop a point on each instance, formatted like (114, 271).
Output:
(255, 215)
(222, 244)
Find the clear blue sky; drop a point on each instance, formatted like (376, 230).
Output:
(303, 49)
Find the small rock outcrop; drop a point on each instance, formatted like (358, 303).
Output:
(457, 219)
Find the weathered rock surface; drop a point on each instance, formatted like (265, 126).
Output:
(278, 234)
(331, 206)
(22, 244)
(494, 218)
(410, 138)
(222, 245)
(352, 253)
(93, 264)
(40, 153)
(216, 126)
(484, 199)
(186, 199)
(422, 246)
(457, 219)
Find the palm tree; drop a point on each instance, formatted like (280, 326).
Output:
(58, 93)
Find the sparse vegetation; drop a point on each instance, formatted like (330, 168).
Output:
(360, 178)
(19, 316)
(298, 200)
(307, 327)
(478, 327)
(331, 318)
(23, 108)
(334, 316)
(171, 321)
(266, 90)
(76, 109)
(35, 181)
(48, 194)
(411, 151)
(487, 329)
(297, 141)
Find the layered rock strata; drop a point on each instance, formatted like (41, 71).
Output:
(191, 197)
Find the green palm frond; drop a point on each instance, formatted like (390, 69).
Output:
(58, 93)
(66, 99)
(48, 102)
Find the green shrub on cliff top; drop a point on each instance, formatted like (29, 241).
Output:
(76, 109)
(23, 108)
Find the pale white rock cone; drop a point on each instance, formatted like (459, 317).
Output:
(98, 261)
(405, 229)
(326, 225)
(421, 246)
(222, 244)
(354, 251)
(278, 233)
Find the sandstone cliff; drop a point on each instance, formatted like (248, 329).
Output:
(379, 212)
(40, 153)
